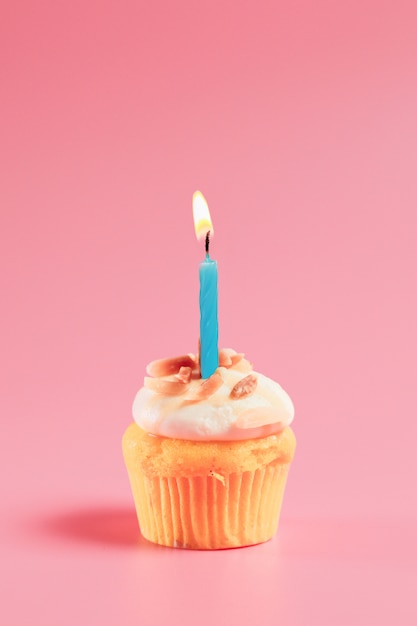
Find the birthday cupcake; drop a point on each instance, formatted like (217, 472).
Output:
(208, 459)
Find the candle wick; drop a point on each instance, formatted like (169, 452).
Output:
(207, 243)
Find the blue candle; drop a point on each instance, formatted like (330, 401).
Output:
(209, 328)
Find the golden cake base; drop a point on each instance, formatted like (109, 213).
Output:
(207, 495)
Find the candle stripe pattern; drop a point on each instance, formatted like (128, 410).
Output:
(209, 332)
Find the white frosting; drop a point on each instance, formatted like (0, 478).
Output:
(218, 418)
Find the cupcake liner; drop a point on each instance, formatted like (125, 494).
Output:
(207, 511)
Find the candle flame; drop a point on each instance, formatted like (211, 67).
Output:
(202, 219)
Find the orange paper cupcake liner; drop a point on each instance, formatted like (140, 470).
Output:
(212, 507)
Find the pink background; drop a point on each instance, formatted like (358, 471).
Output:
(297, 121)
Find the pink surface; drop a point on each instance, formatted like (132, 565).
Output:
(297, 121)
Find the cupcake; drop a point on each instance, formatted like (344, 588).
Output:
(208, 459)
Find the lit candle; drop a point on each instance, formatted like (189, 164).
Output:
(209, 329)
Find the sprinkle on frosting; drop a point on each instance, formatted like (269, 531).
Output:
(166, 367)
(184, 375)
(204, 390)
(165, 387)
(229, 357)
(244, 387)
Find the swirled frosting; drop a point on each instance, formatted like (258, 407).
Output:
(235, 403)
